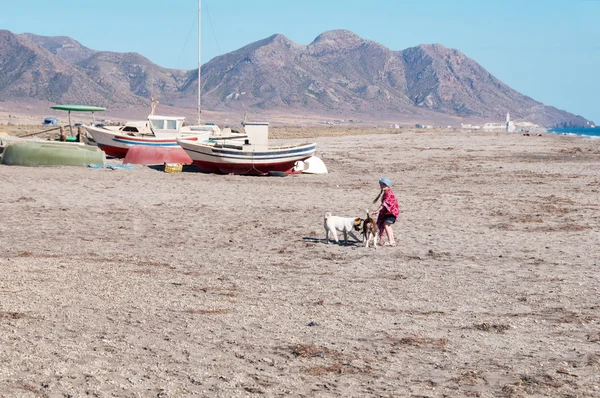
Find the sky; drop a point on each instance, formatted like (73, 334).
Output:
(546, 49)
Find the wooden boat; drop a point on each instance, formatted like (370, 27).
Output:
(152, 156)
(40, 153)
(250, 155)
(164, 131)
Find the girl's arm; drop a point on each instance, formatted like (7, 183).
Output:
(381, 207)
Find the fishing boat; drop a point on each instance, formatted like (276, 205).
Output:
(162, 132)
(248, 155)
(49, 153)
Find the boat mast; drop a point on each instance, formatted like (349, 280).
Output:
(199, 63)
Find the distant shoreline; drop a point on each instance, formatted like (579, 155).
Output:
(315, 131)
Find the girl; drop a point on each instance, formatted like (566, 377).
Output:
(388, 211)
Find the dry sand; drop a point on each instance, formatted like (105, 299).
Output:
(138, 283)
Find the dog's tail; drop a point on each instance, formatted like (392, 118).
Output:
(327, 215)
(368, 214)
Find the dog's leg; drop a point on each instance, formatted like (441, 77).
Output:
(335, 235)
(375, 240)
(353, 236)
(326, 235)
(345, 237)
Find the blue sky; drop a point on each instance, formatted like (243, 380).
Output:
(546, 49)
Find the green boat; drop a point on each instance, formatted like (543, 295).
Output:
(51, 154)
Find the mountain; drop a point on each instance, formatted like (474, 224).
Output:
(30, 71)
(133, 74)
(340, 72)
(64, 47)
(338, 75)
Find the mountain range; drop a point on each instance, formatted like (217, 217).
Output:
(338, 75)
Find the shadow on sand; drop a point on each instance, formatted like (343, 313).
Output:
(323, 241)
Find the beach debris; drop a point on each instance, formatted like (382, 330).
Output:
(469, 378)
(11, 315)
(208, 312)
(275, 173)
(594, 338)
(312, 323)
(491, 327)
(545, 380)
(566, 372)
(322, 370)
(342, 363)
(112, 166)
(310, 351)
(419, 342)
(254, 390)
(173, 167)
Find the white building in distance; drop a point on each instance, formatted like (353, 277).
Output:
(508, 126)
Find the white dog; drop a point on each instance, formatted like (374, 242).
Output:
(343, 224)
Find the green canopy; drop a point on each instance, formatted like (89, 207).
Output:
(78, 108)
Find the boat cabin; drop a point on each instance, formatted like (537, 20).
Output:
(165, 126)
(136, 127)
(258, 134)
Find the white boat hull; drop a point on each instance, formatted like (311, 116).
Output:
(117, 143)
(231, 159)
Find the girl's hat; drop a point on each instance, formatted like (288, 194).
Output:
(385, 181)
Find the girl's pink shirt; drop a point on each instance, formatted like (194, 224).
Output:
(390, 203)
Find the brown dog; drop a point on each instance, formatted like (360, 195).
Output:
(369, 230)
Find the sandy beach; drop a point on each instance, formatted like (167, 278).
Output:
(139, 283)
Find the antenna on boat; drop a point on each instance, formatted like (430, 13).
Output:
(245, 114)
(199, 62)
(153, 104)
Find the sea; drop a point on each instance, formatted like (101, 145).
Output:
(586, 132)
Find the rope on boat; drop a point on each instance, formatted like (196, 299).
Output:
(254, 168)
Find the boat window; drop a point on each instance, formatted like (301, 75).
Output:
(172, 124)
(158, 124)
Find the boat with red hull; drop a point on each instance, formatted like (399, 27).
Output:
(162, 133)
(250, 155)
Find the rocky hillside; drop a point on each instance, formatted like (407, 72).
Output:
(340, 72)
(30, 71)
(64, 47)
(339, 75)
